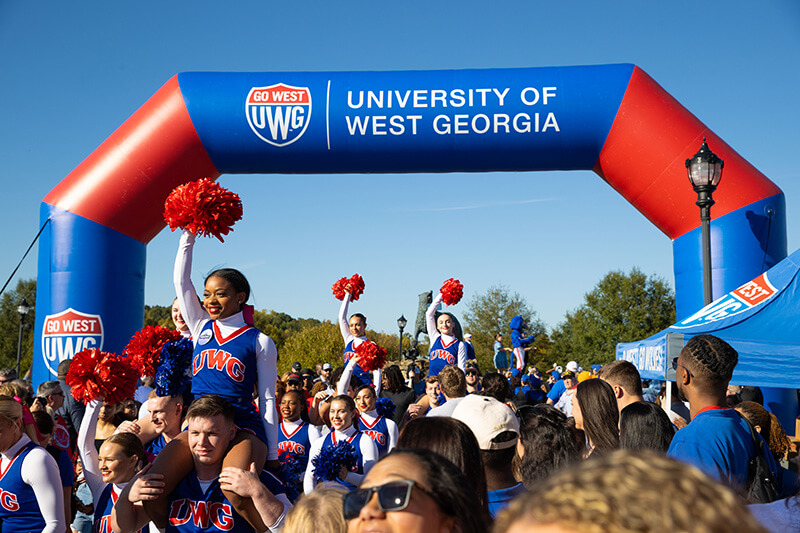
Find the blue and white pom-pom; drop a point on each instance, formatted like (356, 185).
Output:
(385, 407)
(328, 464)
(291, 474)
(172, 375)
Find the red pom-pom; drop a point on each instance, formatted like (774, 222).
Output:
(339, 288)
(370, 356)
(94, 373)
(355, 286)
(203, 207)
(144, 349)
(452, 291)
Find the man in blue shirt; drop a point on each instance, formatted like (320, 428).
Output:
(717, 440)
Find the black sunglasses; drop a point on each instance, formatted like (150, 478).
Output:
(675, 366)
(393, 496)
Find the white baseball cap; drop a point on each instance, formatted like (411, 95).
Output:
(487, 418)
(573, 366)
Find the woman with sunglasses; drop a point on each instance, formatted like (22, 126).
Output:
(29, 481)
(414, 491)
(342, 413)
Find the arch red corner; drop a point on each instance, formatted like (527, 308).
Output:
(638, 160)
(150, 154)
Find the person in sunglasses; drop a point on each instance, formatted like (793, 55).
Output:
(414, 491)
(342, 414)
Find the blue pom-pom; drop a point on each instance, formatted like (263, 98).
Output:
(385, 407)
(328, 464)
(291, 474)
(172, 375)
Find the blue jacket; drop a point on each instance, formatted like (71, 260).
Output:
(517, 340)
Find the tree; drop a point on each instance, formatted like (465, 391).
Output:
(621, 308)
(158, 315)
(490, 313)
(319, 343)
(9, 325)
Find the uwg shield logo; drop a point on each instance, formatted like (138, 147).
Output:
(67, 333)
(279, 114)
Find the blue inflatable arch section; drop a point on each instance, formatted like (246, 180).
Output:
(613, 119)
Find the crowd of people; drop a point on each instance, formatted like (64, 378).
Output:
(444, 446)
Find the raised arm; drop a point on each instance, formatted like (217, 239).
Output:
(191, 310)
(430, 318)
(87, 451)
(267, 369)
(347, 374)
(344, 327)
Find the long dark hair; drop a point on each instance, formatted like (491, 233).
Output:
(550, 443)
(645, 426)
(453, 440)
(450, 488)
(600, 413)
(394, 379)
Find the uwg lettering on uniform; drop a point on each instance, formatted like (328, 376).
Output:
(219, 360)
(201, 514)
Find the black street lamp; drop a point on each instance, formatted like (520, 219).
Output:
(401, 323)
(22, 309)
(705, 171)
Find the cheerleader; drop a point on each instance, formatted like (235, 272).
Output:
(296, 434)
(29, 480)
(446, 349)
(383, 431)
(120, 457)
(353, 332)
(231, 357)
(343, 412)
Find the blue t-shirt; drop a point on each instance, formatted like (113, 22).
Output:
(499, 499)
(719, 443)
(557, 390)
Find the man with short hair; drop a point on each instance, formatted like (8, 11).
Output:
(51, 393)
(72, 410)
(198, 503)
(453, 383)
(564, 403)
(473, 376)
(7, 375)
(718, 440)
(496, 429)
(625, 380)
(162, 424)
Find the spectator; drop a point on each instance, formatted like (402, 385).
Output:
(645, 426)
(308, 379)
(718, 440)
(473, 376)
(565, 400)
(625, 380)
(625, 492)
(595, 411)
(416, 491)
(46, 426)
(495, 386)
(496, 429)
(396, 390)
(468, 345)
(453, 384)
(319, 511)
(768, 426)
(433, 398)
(548, 442)
(453, 440)
(7, 374)
(72, 410)
(325, 373)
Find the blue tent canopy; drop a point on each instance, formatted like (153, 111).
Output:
(760, 319)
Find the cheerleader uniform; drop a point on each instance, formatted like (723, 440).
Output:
(32, 498)
(366, 456)
(381, 430)
(230, 357)
(295, 439)
(350, 344)
(445, 349)
(198, 506)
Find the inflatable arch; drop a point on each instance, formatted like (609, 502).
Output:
(613, 119)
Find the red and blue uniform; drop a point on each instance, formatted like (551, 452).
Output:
(442, 355)
(194, 510)
(363, 377)
(102, 511)
(296, 443)
(378, 431)
(19, 509)
(226, 366)
(355, 440)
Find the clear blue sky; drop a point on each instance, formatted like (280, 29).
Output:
(73, 72)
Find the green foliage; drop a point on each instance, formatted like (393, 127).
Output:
(9, 325)
(158, 315)
(621, 308)
(281, 326)
(490, 313)
(319, 343)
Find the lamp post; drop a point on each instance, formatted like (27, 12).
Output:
(22, 309)
(705, 171)
(401, 323)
